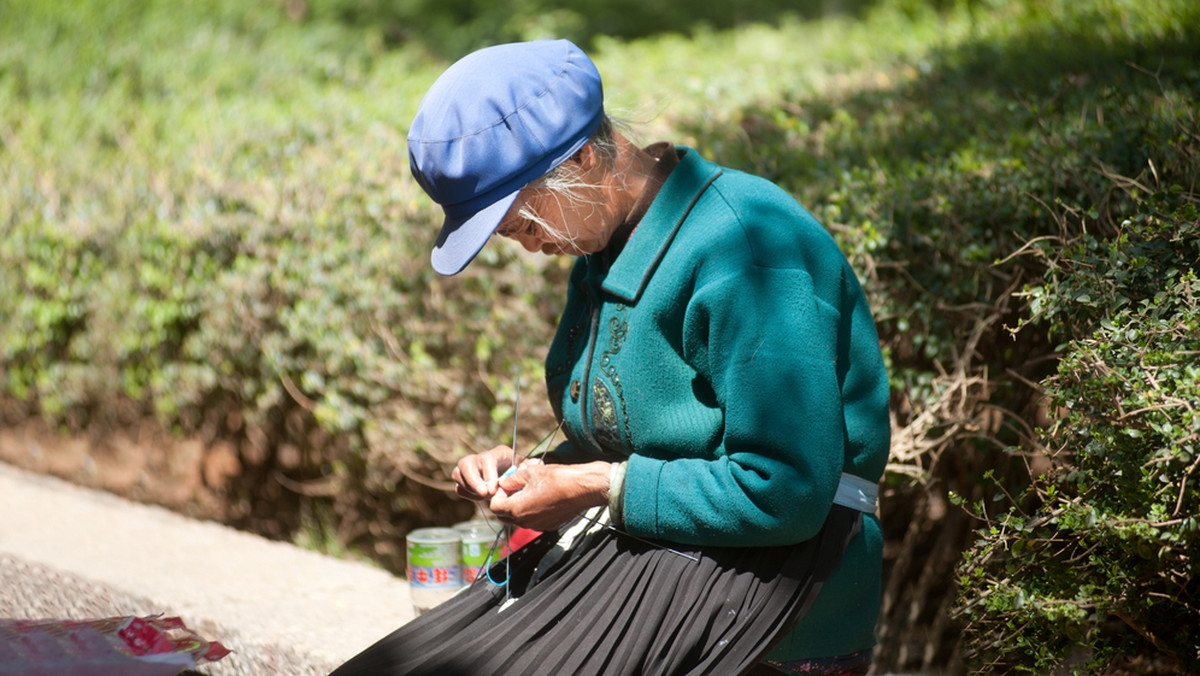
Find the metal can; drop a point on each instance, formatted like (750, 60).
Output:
(434, 566)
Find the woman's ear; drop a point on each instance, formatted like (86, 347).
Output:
(585, 156)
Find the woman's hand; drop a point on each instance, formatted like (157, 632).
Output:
(544, 497)
(475, 475)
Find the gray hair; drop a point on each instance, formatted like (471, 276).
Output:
(564, 183)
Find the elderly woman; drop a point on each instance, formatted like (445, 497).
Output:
(719, 384)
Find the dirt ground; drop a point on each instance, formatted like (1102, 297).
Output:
(145, 465)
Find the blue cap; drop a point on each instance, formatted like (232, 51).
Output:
(494, 121)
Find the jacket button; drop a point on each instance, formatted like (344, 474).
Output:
(575, 391)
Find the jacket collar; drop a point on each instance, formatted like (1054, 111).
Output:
(646, 247)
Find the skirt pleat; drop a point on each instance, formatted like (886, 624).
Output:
(588, 599)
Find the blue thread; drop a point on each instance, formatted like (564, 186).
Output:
(487, 563)
(489, 578)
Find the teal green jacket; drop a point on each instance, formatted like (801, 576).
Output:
(729, 357)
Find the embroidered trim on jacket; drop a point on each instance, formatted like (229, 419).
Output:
(618, 329)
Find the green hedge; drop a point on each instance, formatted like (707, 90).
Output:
(1095, 566)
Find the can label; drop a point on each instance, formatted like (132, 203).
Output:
(471, 573)
(434, 560)
(480, 547)
(475, 555)
(435, 577)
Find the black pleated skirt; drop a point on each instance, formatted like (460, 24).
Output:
(588, 599)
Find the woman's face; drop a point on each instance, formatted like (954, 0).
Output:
(581, 223)
(586, 219)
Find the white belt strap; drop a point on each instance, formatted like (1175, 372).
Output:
(856, 493)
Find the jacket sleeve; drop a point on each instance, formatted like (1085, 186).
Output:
(767, 347)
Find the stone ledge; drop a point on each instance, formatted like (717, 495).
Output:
(77, 553)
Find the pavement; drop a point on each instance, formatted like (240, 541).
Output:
(73, 553)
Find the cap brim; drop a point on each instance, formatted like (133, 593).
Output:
(461, 239)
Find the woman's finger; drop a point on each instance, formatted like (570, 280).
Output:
(476, 476)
